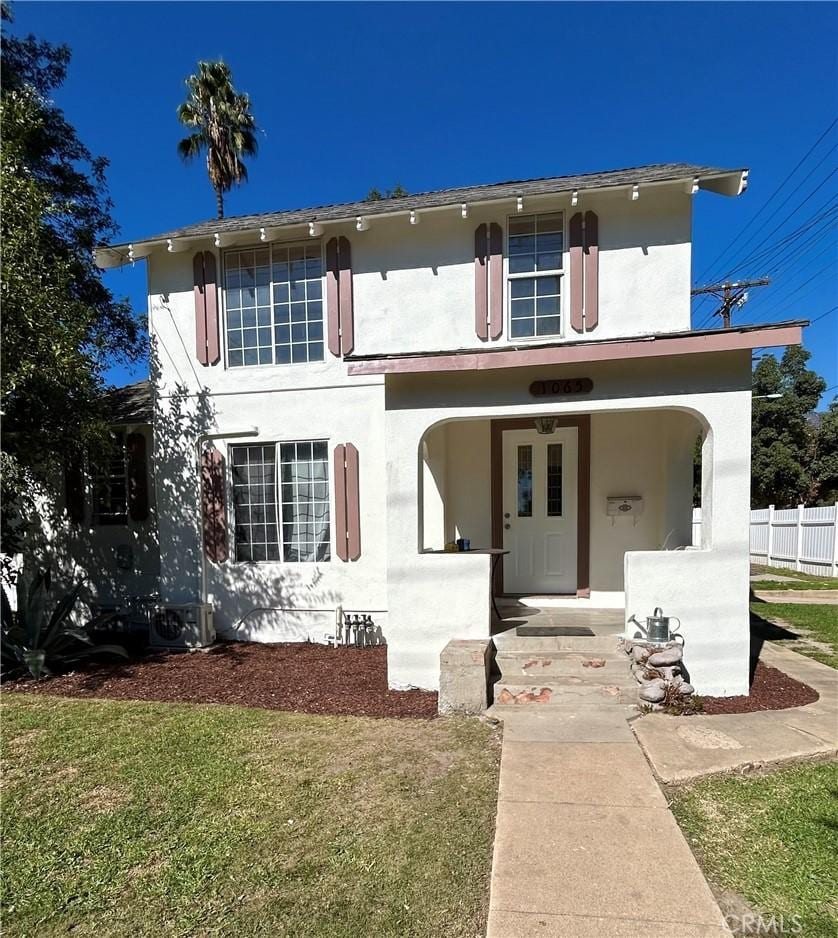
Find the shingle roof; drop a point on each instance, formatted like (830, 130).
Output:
(130, 404)
(638, 175)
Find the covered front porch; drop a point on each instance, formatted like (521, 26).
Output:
(466, 460)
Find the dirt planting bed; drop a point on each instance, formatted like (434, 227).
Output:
(304, 678)
(771, 689)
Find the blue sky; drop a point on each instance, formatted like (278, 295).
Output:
(434, 95)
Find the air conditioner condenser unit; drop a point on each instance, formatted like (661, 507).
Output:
(184, 625)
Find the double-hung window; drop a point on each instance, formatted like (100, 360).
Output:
(110, 483)
(281, 501)
(535, 250)
(273, 301)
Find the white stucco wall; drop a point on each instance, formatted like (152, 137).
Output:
(713, 388)
(88, 550)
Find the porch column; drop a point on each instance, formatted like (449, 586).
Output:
(432, 597)
(708, 588)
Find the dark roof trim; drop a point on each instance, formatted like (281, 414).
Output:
(645, 346)
(726, 181)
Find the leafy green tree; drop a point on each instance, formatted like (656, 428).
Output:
(825, 466)
(61, 325)
(223, 127)
(783, 440)
(397, 192)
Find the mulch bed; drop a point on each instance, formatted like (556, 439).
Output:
(304, 678)
(771, 689)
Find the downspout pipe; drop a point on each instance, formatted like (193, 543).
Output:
(199, 446)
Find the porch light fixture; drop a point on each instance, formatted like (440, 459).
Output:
(545, 425)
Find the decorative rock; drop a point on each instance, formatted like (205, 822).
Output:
(653, 692)
(667, 657)
(640, 653)
(685, 689)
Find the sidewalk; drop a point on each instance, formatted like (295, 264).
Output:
(585, 845)
(682, 748)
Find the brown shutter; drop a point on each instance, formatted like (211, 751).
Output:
(353, 504)
(137, 476)
(347, 326)
(591, 271)
(495, 280)
(481, 282)
(74, 489)
(211, 306)
(332, 296)
(212, 503)
(576, 276)
(339, 463)
(200, 308)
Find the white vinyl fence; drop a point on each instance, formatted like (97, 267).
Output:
(799, 538)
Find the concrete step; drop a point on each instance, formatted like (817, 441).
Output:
(537, 644)
(518, 665)
(551, 694)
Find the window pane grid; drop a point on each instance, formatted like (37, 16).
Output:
(110, 485)
(295, 529)
(535, 261)
(274, 305)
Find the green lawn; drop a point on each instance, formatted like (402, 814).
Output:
(812, 623)
(135, 819)
(772, 839)
(802, 581)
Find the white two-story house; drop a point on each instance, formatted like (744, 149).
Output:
(340, 392)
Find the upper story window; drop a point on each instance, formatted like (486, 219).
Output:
(273, 300)
(536, 245)
(293, 527)
(110, 484)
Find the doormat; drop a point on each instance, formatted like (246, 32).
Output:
(559, 630)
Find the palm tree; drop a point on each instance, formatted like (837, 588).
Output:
(223, 126)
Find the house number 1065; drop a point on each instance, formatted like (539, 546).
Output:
(561, 386)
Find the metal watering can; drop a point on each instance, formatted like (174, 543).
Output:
(657, 627)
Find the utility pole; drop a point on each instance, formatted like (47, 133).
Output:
(730, 295)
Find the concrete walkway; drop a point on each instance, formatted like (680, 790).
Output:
(585, 845)
(818, 597)
(683, 748)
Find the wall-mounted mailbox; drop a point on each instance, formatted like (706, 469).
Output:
(630, 506)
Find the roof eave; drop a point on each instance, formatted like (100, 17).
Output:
(729, 183)
(647, 346)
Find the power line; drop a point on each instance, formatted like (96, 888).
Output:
(730, 295)
(822, 315)
(796, 295)
(769, 200)
(782, 247)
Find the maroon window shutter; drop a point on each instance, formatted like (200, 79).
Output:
(137, 476)
(576, 281)
(211, 306)
(339, 463)
(481, 282)
(74, 489)
(495, 280)
(212, 503)
(591, 271)
(200, 308)
(332, 296)
(353, 504)
(347, 325)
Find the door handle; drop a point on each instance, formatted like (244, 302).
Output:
(506, 514)
(507, 526)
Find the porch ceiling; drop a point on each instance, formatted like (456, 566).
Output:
(647, 346)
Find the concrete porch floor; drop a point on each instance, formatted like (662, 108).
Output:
(602, 622)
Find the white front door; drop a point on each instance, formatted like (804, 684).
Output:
(540, 510)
